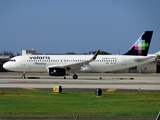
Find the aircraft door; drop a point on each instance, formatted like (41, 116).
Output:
(23, 61)
(124, 61)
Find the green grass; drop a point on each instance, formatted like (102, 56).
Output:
(31, 104)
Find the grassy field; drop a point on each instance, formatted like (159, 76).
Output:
(36, 103)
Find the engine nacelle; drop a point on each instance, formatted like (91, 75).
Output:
(59, 71)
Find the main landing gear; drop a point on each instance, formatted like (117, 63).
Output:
(75, 76)
(24, 76)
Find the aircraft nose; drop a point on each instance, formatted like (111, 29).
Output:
(6, 66)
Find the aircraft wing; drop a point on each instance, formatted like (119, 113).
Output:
(76, 65)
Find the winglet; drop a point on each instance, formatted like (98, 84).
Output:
(95, 55)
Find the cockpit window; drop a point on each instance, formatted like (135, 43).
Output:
(12, 60)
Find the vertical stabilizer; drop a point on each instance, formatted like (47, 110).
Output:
(141, 46)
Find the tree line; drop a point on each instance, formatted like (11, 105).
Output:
(8, 53)
(90, 52)
(11, 54)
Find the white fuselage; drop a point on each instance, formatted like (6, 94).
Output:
(103, 63)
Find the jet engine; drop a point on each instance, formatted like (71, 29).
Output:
(59, 71)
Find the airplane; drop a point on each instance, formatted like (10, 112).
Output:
(62, 65)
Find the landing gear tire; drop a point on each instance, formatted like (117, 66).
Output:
(75, 76)
(24, 77)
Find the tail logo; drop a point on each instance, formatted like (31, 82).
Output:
(140, 45)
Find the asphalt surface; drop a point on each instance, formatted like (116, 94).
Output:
(87, 82)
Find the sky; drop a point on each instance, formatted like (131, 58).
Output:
(80, 26)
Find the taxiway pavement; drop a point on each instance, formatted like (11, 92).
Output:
(86, 82)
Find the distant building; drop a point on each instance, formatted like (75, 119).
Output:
(29, 52)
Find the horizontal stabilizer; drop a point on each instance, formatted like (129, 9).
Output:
(149, 58)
